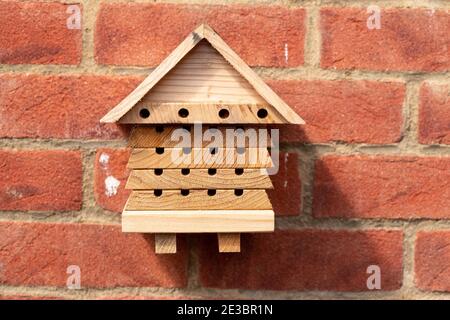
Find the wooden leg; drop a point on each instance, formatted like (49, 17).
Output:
(165, 243)
(229, 242)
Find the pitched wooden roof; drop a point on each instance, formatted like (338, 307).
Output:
(200, 33)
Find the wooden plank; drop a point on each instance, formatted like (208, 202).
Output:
(199, 179)
(147, 200)
(169, 112)
(149, 158)
(166, 136)
(198, 221)
(229, 242)
(165, 243)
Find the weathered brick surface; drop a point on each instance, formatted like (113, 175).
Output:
(382, 187)
(38, 254)
(408, 40)
(43, 180)
(432, 256)
(350, 111)
(304, 260)
(144, 34)
(37, 33)
(434, 113)
(35, 106)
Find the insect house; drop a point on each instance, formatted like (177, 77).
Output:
(187, 173)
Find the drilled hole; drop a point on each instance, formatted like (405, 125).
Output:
(159, 129)
(212, 172)
(213, 150)
(238, 192)
(158, 172)
(240, 150)
(157, 192)
(262, 113)
(238, 171)
(183, 113)
(186, 150)
(211, 192)
(159, 150)
(224, 113)
(184, 192)
(185, 172)
(144, 113)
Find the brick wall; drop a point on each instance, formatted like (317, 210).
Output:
(365, 182)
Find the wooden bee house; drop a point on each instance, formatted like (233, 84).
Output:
(201, 81)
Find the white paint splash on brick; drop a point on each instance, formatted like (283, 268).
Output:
(286, 52)
(104, 159)
(111, 186)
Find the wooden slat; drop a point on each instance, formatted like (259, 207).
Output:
(198, 200)
(148, 158)
(167, 112)
(198, 221)
(165, 243)
(229, 242)
(198, 179)
(149, 137)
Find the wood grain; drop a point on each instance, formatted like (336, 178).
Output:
(198, 221)
(165, 243)
(148, 158)
(144, 136)
(198, 200)
(202, 112)
(229, 242)
(198, 179)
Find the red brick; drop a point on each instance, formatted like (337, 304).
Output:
(434, 113)
(408, 40)
(304, 260)
(40, 180)
(286, 197)
(37, 33)
(111, 164)
(432, 257)
(144, 34)
(68, 107)
(382, 187)
(39, 254)
(350, 111)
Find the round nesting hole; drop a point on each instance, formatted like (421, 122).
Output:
(238, 171)
(159, 150)
(183, 112)
(159, 129)
(224, 113)
(213, 150)
(240, 150)
(262, 113)
(185, 172)
(211, 192)
(144, 113)
(158, 172)
(184, 192)
(186, 150)
(212, 172)
(157, 192)
(238, 192)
